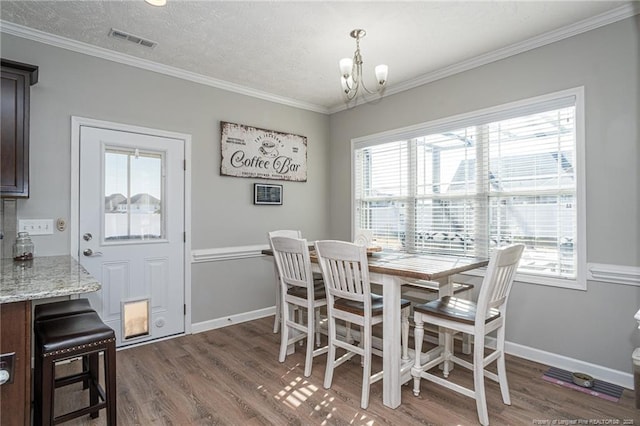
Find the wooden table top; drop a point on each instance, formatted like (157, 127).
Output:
(420, 266)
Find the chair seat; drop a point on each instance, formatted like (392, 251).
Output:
(318, 291)
(70, 332)
(455, 309)
(47, 311)
(358, 307)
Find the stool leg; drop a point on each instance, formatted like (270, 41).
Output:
(48, 390)
(110, 382)
(93, 367)
(85, 368)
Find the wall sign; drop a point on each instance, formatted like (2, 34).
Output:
(258, 153)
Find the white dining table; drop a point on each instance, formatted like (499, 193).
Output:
(392, 270)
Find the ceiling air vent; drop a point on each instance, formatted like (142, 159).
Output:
(132, 38)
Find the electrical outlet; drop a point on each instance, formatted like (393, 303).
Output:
(36, 226)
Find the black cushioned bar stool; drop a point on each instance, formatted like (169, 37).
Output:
(62, 308)
(71, 336)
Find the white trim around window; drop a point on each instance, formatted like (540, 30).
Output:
(571, 97)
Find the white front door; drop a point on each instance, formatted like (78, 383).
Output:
(132, 230)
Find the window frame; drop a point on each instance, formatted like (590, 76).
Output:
(500, 112)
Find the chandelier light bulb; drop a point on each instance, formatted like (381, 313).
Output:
(382, 71)
(346, 66)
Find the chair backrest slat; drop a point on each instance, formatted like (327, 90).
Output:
(345, 270)
(498, 280)
(293, 262)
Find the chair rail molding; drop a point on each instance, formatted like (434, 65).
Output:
(616, 274)
(227, 253)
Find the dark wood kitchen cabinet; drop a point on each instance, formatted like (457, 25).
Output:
(17, 79)
(15, 337)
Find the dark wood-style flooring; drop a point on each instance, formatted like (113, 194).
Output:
(231, 376)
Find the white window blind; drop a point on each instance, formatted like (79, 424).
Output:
(469, 185)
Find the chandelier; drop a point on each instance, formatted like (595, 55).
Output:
(351, 71)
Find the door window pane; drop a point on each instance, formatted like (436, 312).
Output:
(133, 184)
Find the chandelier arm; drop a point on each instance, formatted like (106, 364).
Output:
(351, 91)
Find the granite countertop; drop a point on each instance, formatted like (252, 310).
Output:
(44, 277)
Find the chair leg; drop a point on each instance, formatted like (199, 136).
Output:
(316, 327)
(365, 337)
(466, 338)
(502, 369)
(478, 381)
(405, 334)
(418, 335)
(300, 321)
(284, 332)
(331, 354)
(276, 321)
(362, 345)
(308, 363)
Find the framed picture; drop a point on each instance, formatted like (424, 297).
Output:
(267, 194)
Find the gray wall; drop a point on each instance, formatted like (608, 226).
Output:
(222, 212)
(595, 326)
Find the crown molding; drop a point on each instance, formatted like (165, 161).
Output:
(610, 17)
(110, 55)
(580, 27)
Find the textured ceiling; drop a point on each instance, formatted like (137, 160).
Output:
(291, 49)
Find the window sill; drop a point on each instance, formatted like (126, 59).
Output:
(539, 280)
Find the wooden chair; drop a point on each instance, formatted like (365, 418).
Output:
(298, 290)
(422, 291)
(479, 319)
(289, 233)
(346, 276)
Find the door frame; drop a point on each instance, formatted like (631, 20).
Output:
(74, 221)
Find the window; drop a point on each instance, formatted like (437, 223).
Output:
(467, 184)
(133, 182)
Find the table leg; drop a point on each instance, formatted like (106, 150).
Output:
(391, 349)
(445, 288)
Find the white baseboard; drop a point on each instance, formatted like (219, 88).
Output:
(547, 358)
(574, 365)
(232, 320)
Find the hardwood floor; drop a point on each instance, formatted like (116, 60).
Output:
(231, 376)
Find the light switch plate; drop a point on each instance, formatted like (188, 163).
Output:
(36, 226)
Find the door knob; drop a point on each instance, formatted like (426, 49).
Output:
(89, 252)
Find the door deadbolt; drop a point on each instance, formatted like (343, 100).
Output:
(87, 237)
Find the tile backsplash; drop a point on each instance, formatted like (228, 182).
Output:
(8, 226)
